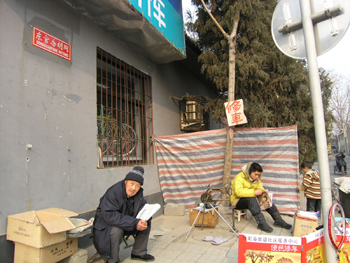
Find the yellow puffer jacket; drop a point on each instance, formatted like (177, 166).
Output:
(242, 187)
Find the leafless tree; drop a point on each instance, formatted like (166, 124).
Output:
(340, 104)
(190, 17)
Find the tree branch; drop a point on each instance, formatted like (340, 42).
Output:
(235, 26)
(215, 21)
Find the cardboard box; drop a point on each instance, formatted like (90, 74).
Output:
(40, 228)
(303, 226)
(210, 220)
(50, 254)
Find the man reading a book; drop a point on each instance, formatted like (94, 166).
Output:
(247, 193)
(116, 217)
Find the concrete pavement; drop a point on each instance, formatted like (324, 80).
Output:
(167, 240)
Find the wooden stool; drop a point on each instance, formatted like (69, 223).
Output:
(237, 214)
(97, 257)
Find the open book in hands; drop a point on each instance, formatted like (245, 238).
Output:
(148, 211)
(265, 200)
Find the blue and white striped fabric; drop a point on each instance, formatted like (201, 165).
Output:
(188, 163)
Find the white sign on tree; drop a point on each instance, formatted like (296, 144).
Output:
(235, 113)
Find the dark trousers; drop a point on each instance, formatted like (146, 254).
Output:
(252, 204)
(339, 167)
(313, 205)
(139, 247)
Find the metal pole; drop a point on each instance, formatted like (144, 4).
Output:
(202, 210)
(321, 138)
(225, 220)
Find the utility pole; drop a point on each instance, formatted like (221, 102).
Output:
(295, 36)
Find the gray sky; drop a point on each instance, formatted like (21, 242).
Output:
(338, 58)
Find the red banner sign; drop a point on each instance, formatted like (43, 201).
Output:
(51, 44)
(305, 249)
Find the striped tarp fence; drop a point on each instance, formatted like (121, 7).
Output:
(188, 163)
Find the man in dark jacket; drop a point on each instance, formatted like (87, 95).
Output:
(116, 217)
(339, 159)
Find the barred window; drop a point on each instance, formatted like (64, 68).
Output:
(124, 113)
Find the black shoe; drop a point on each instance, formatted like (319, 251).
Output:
(262, 225)
(146, 257)
(282, 224)
(265, 227)
(279, 222)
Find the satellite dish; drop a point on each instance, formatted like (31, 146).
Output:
(331, 19)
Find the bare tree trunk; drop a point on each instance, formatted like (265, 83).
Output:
(231, 96)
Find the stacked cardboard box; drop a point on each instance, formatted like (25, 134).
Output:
(304, 226)
(40, 236)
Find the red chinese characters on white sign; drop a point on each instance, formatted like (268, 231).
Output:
(51, 44)
(234, 112)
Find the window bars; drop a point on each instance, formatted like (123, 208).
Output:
(124, 113)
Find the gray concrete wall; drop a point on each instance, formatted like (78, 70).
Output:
(50, 103)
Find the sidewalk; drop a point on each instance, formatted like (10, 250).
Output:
(167, 242)
(167, 236)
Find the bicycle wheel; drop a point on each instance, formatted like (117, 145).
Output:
(115, 138)
(333, 227)
(129, 139)
(124, 139)
(342, 170)
(103, 136)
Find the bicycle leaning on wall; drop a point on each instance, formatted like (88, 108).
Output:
(115, 138)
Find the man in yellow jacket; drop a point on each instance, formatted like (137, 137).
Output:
(246, 188)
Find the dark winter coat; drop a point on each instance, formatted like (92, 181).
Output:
(111, 212)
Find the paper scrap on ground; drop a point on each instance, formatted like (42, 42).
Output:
(148, 211)
(155, 234)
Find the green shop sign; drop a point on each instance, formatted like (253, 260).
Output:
(166, 17)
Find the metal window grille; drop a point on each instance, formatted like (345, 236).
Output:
(124, 113)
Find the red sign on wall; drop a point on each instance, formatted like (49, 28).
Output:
(51, 44)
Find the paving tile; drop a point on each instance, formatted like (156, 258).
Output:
(162, 244)
(196, 248)
(211, 258)
(169, 253)
(155, 251)
(188, 257)
(171, 247)
(230, 260)
(233, 252)
(216, 250)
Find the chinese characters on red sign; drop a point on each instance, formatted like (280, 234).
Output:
(234, 112)
(51, 44)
